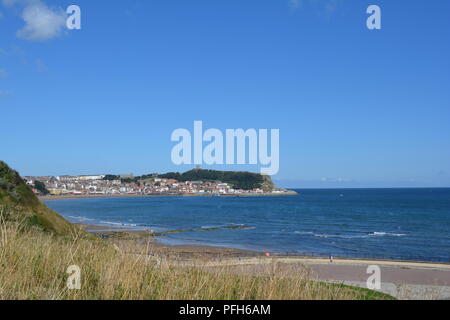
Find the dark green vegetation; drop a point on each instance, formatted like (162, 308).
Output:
(111, 177)
(23, 205)
(40, 186)
(239, 180)
(13, 189)
(361, 293)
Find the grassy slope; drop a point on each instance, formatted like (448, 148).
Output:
(23, 205)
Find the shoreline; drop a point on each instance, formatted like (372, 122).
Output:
(409, 280)
(144, 236)
(119, 196)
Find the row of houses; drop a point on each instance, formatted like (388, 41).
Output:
(97, 185)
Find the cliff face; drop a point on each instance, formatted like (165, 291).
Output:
(18, 203)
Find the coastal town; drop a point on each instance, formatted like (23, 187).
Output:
(111, 185)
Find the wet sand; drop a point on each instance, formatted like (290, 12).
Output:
(127, 240)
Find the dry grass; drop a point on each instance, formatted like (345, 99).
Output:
(33, 265)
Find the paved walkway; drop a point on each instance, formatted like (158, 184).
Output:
(423, 283)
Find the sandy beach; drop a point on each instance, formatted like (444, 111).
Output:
(401, 279)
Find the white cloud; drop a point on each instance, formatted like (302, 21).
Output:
(4, 92)
(41, 22)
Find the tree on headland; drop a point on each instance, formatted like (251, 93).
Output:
(40, 186)
(111, 177)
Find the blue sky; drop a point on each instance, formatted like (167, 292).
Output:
(355, 107)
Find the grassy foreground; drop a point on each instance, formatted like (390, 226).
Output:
(33, 265)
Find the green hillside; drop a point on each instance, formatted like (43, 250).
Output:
(239, 180)
(24, 206)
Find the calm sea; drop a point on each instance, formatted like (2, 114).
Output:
(407, 224)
